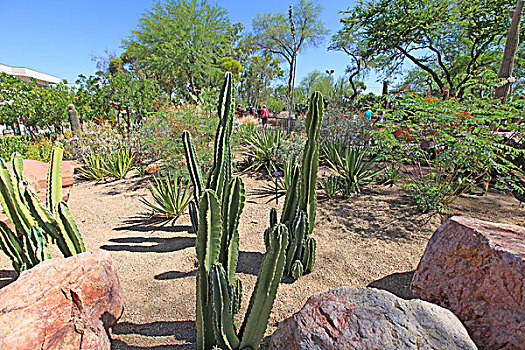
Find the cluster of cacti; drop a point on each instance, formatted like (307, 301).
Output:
(36, 224)
(300, 203)
(215, 213)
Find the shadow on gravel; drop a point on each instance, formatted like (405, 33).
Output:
(249, 263)
(147, 223)
(173, 275)
(179, 330)
(149, 244)
(397, 283)
(6, 277)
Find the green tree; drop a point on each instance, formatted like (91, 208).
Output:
(287, 36)
(452, 41)
(180, 43)
(255, 84)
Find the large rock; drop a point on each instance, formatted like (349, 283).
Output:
(62, 304)
(368, 318)
(477, 270)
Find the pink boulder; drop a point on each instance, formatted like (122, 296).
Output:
(368, 318)
(477, 270)
(63, 303)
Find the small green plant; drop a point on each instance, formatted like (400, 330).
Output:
(103, 166)
(355, 170)
(118, 164)
(36, 224)
(331, 186)
(170, 197)
(94, 167)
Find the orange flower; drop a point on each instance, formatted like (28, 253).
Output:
(463, 112)
(398, 94)
(468, 117)
(406, 90)
(456, 114)
(411, 95)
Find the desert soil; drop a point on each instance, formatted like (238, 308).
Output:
(373, 239)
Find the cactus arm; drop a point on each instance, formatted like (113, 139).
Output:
(221, 170)
(193, 166)
(11, 202)
(194, 216)
(54, 177)
(297, 269)
(207, 248)
(263, 296)
(310, 161)
(69, 230)
(231, 213)
(291, 201)
(12, 246)
(309, 255)
(223, 321)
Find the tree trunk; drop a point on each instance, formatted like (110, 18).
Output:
(507, 65)
(385, 88)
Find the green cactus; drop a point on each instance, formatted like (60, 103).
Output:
(219, 209)
(300, 203)
(36, 224)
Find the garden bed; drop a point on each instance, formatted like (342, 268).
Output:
(376, 238)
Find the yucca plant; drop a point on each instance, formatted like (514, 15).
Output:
(118, 164)
(283, 183)
(170, 197)
(264, 149)
(93, 168)
(354, 168)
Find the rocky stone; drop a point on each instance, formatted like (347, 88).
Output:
(63, 303)
(477, 270)
(368, 318)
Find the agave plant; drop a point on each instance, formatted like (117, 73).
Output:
(93, 168)
(331, 185)
(264, 149)
(170, 198)
(282, 183)
(354, 168)
(120, 163)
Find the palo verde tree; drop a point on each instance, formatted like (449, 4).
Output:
(453, 42)
(286, 36)
(180, 43)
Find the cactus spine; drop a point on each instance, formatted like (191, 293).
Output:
(36, 225)
(300, 203)
(219, 209)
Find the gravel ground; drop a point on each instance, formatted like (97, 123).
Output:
(374, 239)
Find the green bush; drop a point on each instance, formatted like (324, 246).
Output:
(39, 149)
(445, 148)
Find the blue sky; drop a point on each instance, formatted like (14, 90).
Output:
(59, 37)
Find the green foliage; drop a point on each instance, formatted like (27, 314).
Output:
(114, 165)
(36, 224)
(159, 137)
(331, 186)
(452, 43)
(170, 197)
(354, 168)
(264, 149)
(447, 147)
(181, 43)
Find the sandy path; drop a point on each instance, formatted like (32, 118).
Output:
(375, 239)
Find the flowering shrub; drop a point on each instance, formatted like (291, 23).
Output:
(39, 149)
(446, 148)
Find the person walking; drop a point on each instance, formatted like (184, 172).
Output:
(264, 115)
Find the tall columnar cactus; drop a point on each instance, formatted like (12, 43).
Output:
(36, 224)
(300, 203)
(219, 206)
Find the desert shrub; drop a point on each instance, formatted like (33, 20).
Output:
(160, 137)
(331, 185)
(101, 166)
(37, 149)
(446, 147)
(93, 139)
